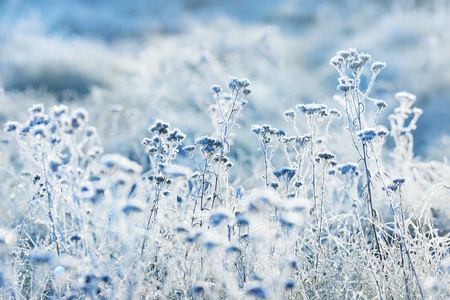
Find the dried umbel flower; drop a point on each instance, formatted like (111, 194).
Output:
(312, 108)
(189, 149)
(346, 55)
(75, 237)
(377, 67)
(286, 173)
(90, 131)
(337, 62)
(381, 104)
(11, 126)
(382, 133)
(348, 168)
(130, 208)
(39, 131)
(289, 284)
(36, 109)
(364, 57)
(216, 89)
(209, 145)
(356, 67)
(59, 110)
(80, 114)
(289, 115)
(406, 99)
(280, 133)
(392, 187)
(246, 91)
(242, 221)
(335, 113)
(199, 288)
(175, 136)
(345, 88)
(326, 156)
(234, 249)
(367, 134)
(159, 127)
(218, 215)
(54, 165)
(399, 180)
(274, 185)
(256, 129)
(237, 85)
(256, 291)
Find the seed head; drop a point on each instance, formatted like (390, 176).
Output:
(274, 185)
(257, 129)
(365, 58)
(399, 180)
(348, 168)
(377, 67)
(159, 127)
(326, 156)
(216, 89)
(59, 110)
(367, 134)
(289, 115)
(189, 149)
(11, 126)
(382, 133)
(36, 109)
(381, 104)
(312, 108)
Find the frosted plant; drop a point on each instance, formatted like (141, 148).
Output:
(350, 66)
(403, 122)
(89, 224)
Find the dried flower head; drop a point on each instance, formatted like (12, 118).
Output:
(289, 115)
(11, 126)
(326, 156)
(377, 67)
(216, 89)
(159, 127)
(312, 108)
(348, 168)
(367, 134)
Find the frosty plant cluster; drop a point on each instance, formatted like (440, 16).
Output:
(85, 224)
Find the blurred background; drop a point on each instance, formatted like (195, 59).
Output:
(130, 62)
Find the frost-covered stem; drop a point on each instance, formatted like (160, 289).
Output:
(371, 211)
(365, 159)
(49, 199)
(405, 276)
(369, 87)
(217, 194)
(153, 213)
(202, 192)
(402, 235)
(159, 159)
(321, 207)
(224, 130)
(266, 163)
(313, 162)
(220, 108)
(320, 219)
(368, 255)
(408, 255)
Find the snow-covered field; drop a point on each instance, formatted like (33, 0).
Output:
(293, 191)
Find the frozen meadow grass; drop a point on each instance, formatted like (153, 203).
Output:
(80, 223)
